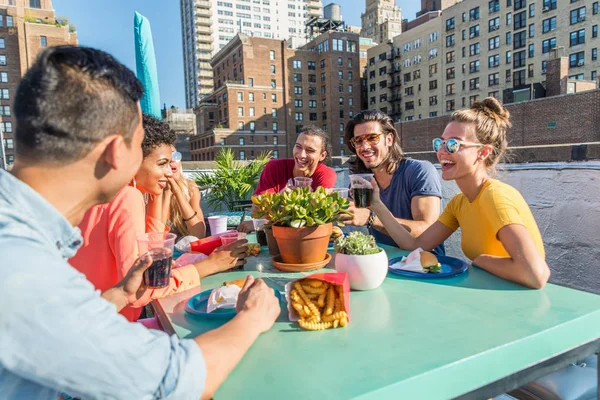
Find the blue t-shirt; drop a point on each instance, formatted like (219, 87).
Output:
(412, 178)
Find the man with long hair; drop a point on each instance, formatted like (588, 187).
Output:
(411, 189)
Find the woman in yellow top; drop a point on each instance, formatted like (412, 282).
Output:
(499, 233)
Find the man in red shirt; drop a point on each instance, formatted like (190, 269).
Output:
(312, 148)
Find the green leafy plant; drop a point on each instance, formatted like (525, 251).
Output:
(356, 243)
(232, 180)
(301, 207)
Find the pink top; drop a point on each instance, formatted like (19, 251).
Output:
(109, 232)
(276, 173)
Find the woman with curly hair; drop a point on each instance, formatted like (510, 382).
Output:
(109, 230)
(499, 232)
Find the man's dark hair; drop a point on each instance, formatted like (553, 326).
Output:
(314, 130)
(70, 100)
(395, 154)
(156, 132)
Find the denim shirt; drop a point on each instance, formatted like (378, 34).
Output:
(57, 334)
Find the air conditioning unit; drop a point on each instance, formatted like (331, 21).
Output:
(477, 86)
(472, 35)
(508, 79)
(581, 18)
(545, 9)
(579, 63)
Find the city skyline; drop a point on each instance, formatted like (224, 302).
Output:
(108, 26)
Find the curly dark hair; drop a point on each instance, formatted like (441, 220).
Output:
(156, 132)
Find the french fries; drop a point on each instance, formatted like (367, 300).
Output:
(319, 304)
(253, 249)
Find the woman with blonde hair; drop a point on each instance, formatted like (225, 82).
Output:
(499, 232)
(182, 206)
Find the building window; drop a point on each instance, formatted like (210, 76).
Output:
(577, 59)
(274, 126)
(474, 31)
(2, 46)
(251, 82)
(449, 105)
(548, 44)
(594, 54)
(520, 20)
(4, 77)
(9, 21)
(34, 4)
(275, 154)
(251, 111)
(252, 128)
(272, 55)
(272, 69)
(519, 78)
(595, 31)
(222, 141)
(531, 10)
(240, 111)
(519, 59)
(299, 116)
(273, 97)
(2, 60)
(494, 79)
(494, 6)
(474, 14)
(297, 77)
(549, 5)
(508, 57)
(242, 142)
(43, 41)
(494, 61)
(242, 155)
(577, 37)
(531, 30)
(6, 127)
(297, 64)
(5, 94)
(474, 49)
(577, 15)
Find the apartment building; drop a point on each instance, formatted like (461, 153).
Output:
(26, 28)
(381, 21)
(474, 49)
(265, 93)
(208, 25)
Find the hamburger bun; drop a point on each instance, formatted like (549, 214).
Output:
(429, 262)
(336, 232)
(238, 282)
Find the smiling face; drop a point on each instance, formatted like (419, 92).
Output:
(373, 155)
(151, 177)
(308, 153)
(468, 160)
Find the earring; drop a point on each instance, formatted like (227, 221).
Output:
(134, 183)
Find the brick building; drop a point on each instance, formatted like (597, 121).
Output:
(26, 27)
(457, 52)
(265, 92)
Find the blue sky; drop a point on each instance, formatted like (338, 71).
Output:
(108, 25)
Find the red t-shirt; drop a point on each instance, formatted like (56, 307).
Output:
(276, 174)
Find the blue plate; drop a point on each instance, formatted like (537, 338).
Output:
(450, 267)
(197, 304)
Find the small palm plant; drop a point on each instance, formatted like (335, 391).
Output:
(232, 180)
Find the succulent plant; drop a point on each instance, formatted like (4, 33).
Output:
(356, 243)
(301, 207)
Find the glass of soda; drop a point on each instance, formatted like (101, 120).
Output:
(362, 190)
(160, 247)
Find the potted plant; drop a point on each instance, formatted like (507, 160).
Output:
(301, 221)
(232, 180)
(359, 256)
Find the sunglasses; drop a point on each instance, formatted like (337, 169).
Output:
(176, 156)
(452, 145)
(371, 138)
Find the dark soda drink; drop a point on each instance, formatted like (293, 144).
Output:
(159, 273)
(362, 197)
(261, 238)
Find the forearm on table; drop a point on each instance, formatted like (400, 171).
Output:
(385, 222)
(223, 348)
(532, 276)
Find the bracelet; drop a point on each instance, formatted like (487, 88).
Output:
(371, 220)
(190, 218)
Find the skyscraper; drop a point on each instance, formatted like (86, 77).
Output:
(381, 21)
(208, 25)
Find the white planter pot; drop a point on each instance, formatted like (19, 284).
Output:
(364, 272)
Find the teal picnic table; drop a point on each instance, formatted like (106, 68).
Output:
(471, 336)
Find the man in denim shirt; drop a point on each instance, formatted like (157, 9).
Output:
(78, 136)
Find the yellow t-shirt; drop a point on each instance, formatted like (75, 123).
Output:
(496, 206)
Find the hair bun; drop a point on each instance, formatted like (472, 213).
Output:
(494, 109)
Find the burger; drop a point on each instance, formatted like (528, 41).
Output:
(430, 263)
(336, 232)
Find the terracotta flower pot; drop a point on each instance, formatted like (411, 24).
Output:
(302, 245)
(271, 242)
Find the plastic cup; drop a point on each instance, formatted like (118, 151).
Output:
(362, 190)
(302, 182)
(218, 224)
(258, 223)
(342, 192)
(232, 237)
(160, 247)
